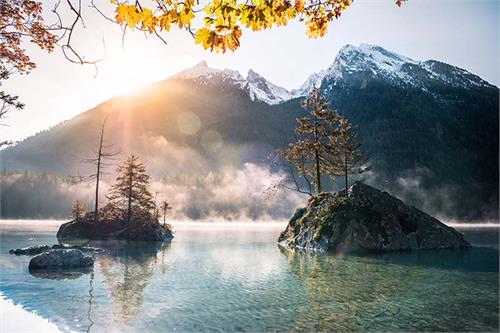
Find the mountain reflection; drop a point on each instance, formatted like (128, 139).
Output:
(127, 269)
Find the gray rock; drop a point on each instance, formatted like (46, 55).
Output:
(367, 219)
(32, 250)
(37, 249)
(61, 258)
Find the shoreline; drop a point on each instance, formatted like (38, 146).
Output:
(176, 223)
(14, 318)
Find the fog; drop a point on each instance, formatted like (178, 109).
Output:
(235, 194)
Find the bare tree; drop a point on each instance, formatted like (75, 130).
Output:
(102, 155)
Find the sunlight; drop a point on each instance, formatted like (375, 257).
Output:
(125, 73)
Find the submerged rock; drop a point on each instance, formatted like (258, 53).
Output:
(32, 250)
(61, 258)
(367, 219)
(116, 228)
(37, 249)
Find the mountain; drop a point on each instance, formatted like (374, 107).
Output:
(313, 81)
(377, 62)
(430, 129)
(256, 86)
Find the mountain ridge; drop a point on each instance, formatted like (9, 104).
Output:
(440, 142)
(350, 59)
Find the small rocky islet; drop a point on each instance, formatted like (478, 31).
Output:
(62, 256)
(366, 219)
(115, 228)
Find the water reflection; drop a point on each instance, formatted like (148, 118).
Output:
(408, 291)
(127, 269)
(234, 278)
(475, 259)
(60, 274)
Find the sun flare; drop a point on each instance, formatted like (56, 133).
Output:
(125, 73)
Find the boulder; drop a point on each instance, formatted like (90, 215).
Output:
(366, 219)
(115, 228)
(61, 258)
(37, 249)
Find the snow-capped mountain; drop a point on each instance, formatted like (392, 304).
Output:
(313, 81)
(369, 61)
(378, 62)
(257, 87)
(201, 70)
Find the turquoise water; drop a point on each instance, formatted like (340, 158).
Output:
(233, 277)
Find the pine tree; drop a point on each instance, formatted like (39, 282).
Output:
(164, 208)
(313, 153)
(77, 210)
(131, 192)
(350, 159)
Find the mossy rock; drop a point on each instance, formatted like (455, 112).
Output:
(366, 219)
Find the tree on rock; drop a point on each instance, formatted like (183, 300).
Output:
(131, 192)
(165, 208)
(314, 151)
(77, 210)
(350, 158)
(102, 158)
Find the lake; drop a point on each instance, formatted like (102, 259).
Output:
(233, 277)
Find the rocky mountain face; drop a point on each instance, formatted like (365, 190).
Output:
(429, 128)
(365, 219)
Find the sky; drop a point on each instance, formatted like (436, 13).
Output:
(463, 33)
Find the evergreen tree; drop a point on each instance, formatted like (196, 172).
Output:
(313, 153)
(164, 208)
(131, 192)
(350, 159)
(77, 210)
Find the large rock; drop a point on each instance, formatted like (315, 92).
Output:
(59, 258)
(114, 229)
(367, 219)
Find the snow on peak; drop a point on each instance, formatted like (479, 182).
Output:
(393, 66)
(260, 88)
(202, 70)
(367, 57)
(313, 81)
(257, 87)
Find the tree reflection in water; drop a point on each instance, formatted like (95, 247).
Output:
(91, 290)
(127, 268)
(391, 292)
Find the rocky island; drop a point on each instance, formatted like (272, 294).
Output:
(115, 227)
(130, 214)
(365, 219)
